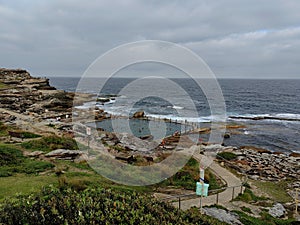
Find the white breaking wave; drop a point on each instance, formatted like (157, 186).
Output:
(275, 117)
(176, 107)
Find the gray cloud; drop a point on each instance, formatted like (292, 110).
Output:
(236, 38)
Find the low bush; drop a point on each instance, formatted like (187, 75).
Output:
(95, 206)
(30, 135)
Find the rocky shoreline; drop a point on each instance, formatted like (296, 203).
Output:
(23, 97)
(27, 95)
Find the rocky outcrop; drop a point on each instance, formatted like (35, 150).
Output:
(23, 93)
(265, 165)
(64, 154)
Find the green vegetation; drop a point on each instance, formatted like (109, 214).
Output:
(30, 135)
(188, 176)
(49, 143)
(95, 206)
(3, 130)
(227, 155)
(12, 161)
(248, 196)
(3, 86)
(276, 190)
(74, 196)
(246, 209)
(24, 184)
(265, 219)
(214, 182)
(216, 206)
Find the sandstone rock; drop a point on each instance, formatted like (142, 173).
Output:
(81, 158)
(222, 215)
(139, 114)
(35, 154)
(136, 144)
(26, 93)
(64, 154)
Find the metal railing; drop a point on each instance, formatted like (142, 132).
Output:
(180, 198)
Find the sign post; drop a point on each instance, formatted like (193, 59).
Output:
(202, 183)
(201, 188)
(88, 132)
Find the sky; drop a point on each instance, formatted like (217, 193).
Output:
(236, 38)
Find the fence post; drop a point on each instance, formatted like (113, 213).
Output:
(217, 201)
(296, 200)
(179, 203)
(201, 203)
(232, 193)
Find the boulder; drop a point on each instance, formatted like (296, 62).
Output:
(139, 114)
(134, 143)
(222, 215)
(277, 211)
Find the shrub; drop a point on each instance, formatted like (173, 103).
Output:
(95, 206)
(227, 155)
(30, 135)
(49, 143)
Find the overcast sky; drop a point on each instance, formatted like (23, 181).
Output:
(236, 38)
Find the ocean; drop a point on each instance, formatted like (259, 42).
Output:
(269, 109)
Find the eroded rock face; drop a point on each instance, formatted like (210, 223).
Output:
(21, 93)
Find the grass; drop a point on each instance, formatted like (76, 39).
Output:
(188, 176)
(4, 132)
(3, 86)
(276, 190)
(49, 143)
(246, 209)
(214, 182)
(23, 184)
(12, 161)
(185, 178)
(248, 196)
